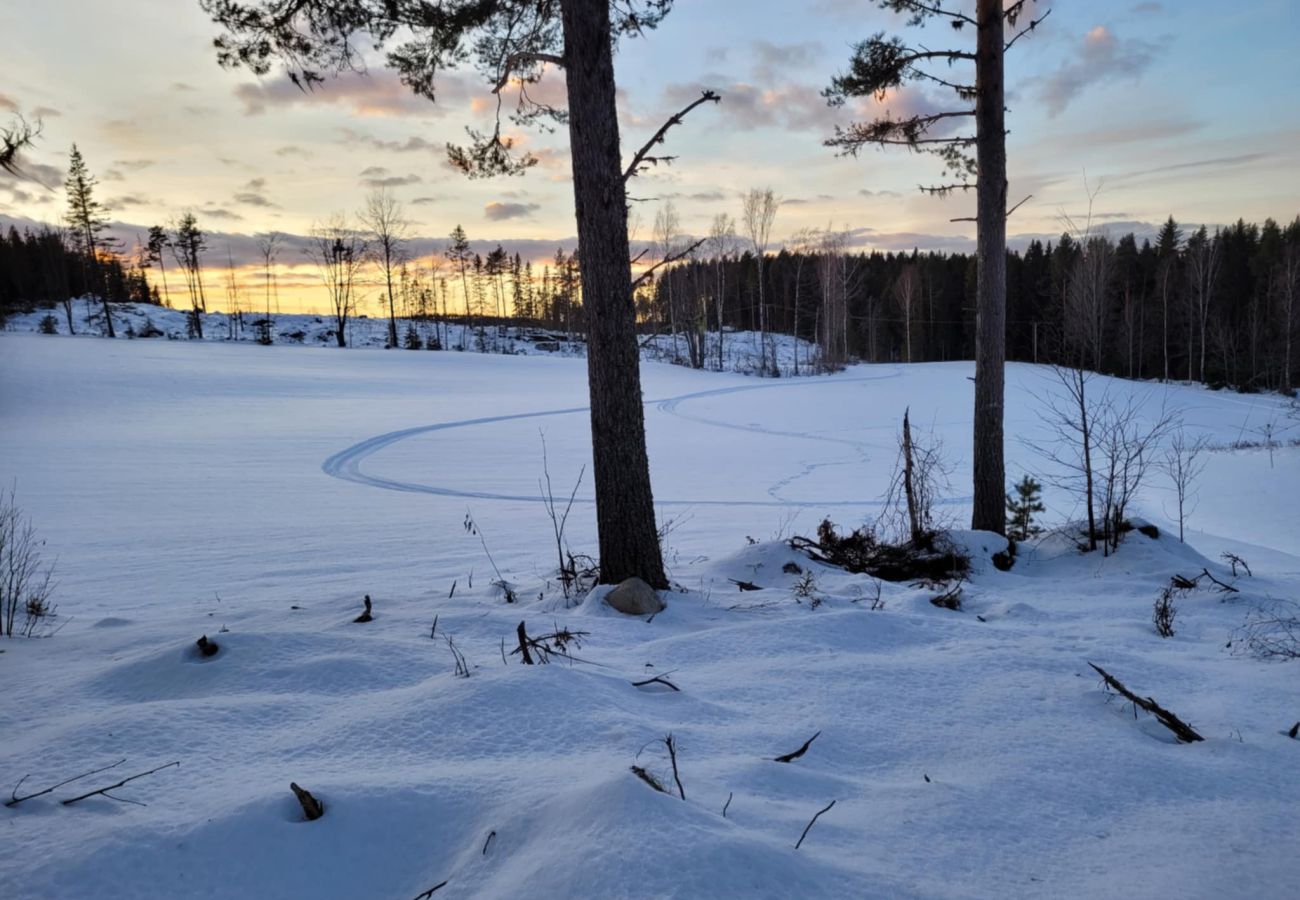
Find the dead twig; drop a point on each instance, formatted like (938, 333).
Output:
(791, 757)
(1234, 560)
(365, 616)
(1184, 732)
(491, 835)
(809, 826)
(14, 799)
(745, 585)
(430, 892)
(658, 679)
(649, 779)
(730, 794)
(671, 744)
(113, 787)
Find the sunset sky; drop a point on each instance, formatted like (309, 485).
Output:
(1169, 108)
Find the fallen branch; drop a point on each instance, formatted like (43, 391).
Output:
(312, 808)
(671, 744)
(791, 757)
(1295, 731)
(491, 835)
(14, 799)
(1184, 732)
(1234, 560)
(113, 787)
(809, 826)
(658, 679)
(730, 794)
(745, 585)
(523, 645)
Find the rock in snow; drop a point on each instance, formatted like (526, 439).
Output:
(636, 598)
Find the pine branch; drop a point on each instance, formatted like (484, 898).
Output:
(1024, 31)
(513, 61)
(642, 156)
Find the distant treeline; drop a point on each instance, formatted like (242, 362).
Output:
(45, 268)
(1219, 308)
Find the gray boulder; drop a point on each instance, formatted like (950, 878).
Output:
(635, 598)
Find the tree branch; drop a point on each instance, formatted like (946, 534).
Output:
(667, 260)
(14, 799)
(940, 11)
(514, 59)
(1028, 28)
(642, 156)
(113, 787)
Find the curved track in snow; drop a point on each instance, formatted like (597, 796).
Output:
(347, 464)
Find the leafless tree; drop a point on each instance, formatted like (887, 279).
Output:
(907, 291)
(383, 217)
(1128, 443)
(1287, 286)
(1204, 256)
(759, 212)
(269, 244)
(667, 234)
(1183, 463)
(833, 317)
(722, 237)
(339, 252)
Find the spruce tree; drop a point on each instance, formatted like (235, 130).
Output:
(86, 218)
(1022, 505)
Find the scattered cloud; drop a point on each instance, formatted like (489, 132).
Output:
(378, 177)
(294, 150)
(424, 201)
(773, 62)
(182, 87)
(1101, 57)
(379, 93)
(412, 144)
(497, 211)
(128, 200)
(46, 112)
(1148, 7)
(220, 213)
(8, 103)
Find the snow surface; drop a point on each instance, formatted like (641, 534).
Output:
(740, 348)
(254, 494)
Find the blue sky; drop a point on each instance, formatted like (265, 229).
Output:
(1186, 108)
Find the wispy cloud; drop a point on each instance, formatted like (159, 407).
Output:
(1100, 57)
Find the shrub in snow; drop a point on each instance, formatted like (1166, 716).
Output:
(49, 325)
(860, 551)
(26, 581)
(1164, 612)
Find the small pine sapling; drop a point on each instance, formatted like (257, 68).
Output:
(1022, 505)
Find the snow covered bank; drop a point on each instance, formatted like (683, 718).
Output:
(212, 488)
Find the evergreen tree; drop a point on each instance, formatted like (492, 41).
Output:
(86, 217)
(1022, 505)
(880, 64)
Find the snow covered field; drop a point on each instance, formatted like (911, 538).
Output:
(254, 494)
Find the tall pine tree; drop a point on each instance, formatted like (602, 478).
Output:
(86, 218)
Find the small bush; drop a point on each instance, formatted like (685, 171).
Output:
(1022, 505)
(49, 324)
(413, 341)
(26, 580)
(1164, 612)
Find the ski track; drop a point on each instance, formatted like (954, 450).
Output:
(347, 464)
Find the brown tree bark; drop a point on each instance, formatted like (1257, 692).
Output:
(625, 517)
(989, 513)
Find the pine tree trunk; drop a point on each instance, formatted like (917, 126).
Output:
(625, 516)
(988, 513)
